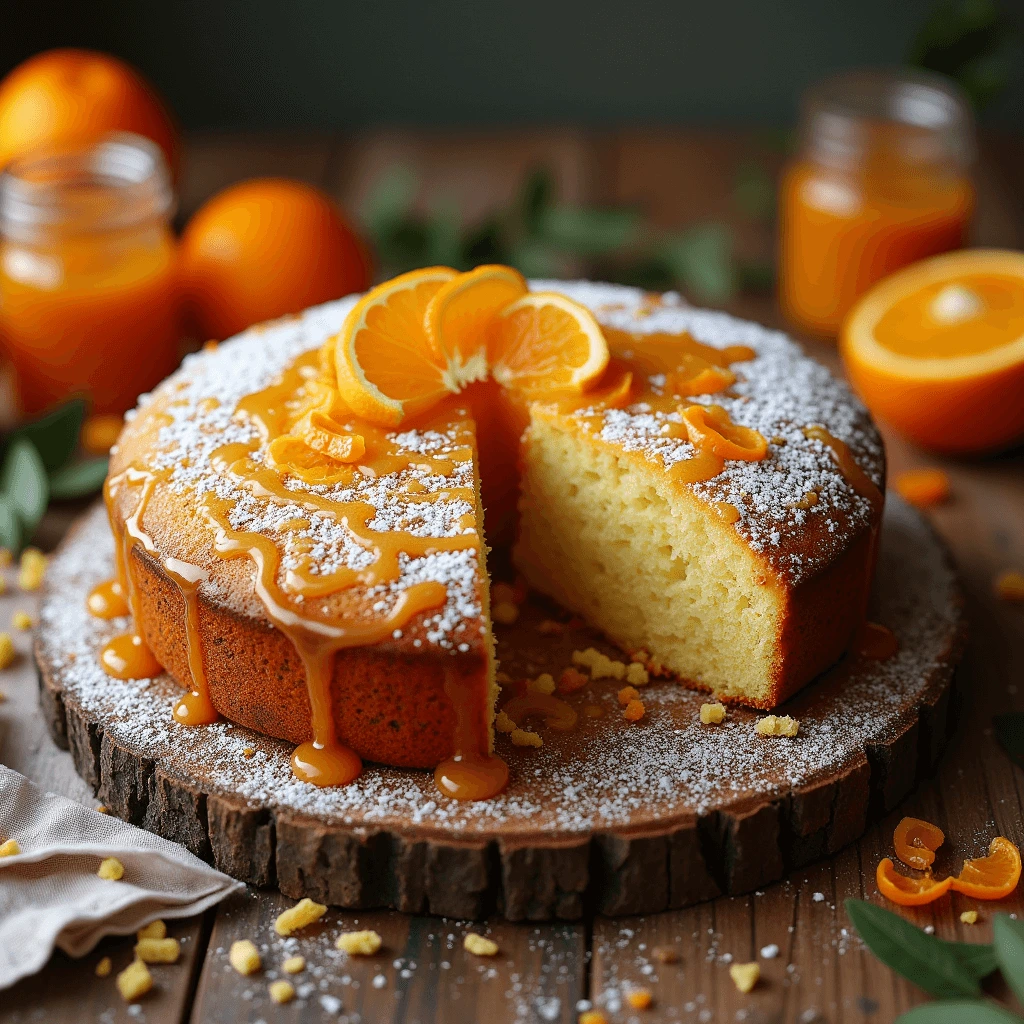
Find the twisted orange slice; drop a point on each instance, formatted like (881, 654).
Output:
(459, 316)
(991, 877)
(546, 342)
(386, 367)
(908, 892)
(424, 335)
(916, 842)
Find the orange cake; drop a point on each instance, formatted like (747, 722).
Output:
(299, 512)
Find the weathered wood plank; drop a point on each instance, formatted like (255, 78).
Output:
(422, 973)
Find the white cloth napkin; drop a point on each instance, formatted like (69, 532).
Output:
(51, 895)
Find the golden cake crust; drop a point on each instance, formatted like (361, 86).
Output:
(388, 697)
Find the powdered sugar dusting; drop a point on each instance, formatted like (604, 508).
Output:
(195, 410)
(778, 393)
(603, 775)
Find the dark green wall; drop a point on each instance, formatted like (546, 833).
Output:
(331, 65)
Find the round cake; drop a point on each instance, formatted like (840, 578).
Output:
(710, 501)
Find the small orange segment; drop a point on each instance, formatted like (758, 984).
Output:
(991, 877)
(937, 349)
(458, 318)
(923, 487)
(545, 342)
(386, 367)
(916, 842)
(908, 892)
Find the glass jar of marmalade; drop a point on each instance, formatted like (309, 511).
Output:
(881, 180)
(89, 297)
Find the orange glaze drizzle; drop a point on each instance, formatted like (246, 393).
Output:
(127, 656)
(106, 600)
(323, 761)
(870, 639)
(472, 772)
(196, 707)
(301, 420)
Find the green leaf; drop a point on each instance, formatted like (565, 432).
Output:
(78, 479)
(754, 191)
(943, 969)
(959, 1011)
(535, 259)
(588, 232)
(537, 195)
(1008, 939)
(24, 483)
(56, 434)
(1010, 733)
(10, 525)
(390, 199)
(701, 260)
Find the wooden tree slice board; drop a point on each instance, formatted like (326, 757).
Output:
(611, 817)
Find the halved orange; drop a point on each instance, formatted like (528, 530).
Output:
(458, 317)
(916, 842)
(991, 877)
(546, 342)
(908, 892)
(386, 367)
(937, 349)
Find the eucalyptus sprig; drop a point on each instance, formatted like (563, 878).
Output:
(39, 465)
(949, 971)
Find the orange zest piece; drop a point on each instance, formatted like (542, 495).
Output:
(923, 487)
(545, 342)
(386, 367)
(1009, 585)
(991, 877)
(459, 316)
(908, 892)
(709, 428)
(916, 842)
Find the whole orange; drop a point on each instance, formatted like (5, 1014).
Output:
(73, 97)
(264, 248)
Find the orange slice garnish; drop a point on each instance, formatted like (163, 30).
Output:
(386, 367)
(937, 349)
(908, 892)
(916, 842)
(459, 316)
(545, 342)
(991, 877)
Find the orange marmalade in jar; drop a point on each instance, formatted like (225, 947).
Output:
(881, 180)
(89, 298)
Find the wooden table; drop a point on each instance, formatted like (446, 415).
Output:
(821, 972)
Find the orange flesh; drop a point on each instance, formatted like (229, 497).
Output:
(916, 842)
(306, 391)
(908, 327)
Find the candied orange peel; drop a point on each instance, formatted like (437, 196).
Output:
(923, 487)
(984, 878)
(916, 842)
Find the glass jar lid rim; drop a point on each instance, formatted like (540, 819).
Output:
(45, 187)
